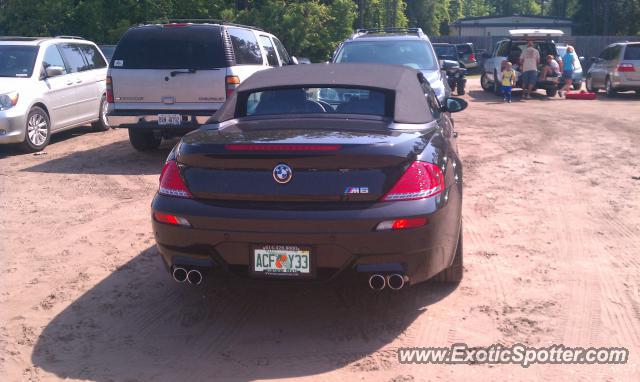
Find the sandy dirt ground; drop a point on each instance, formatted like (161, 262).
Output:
(552, 256)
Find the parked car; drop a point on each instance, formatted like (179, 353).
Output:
(313, 171)
(107, 51)
(168, 79)
(616, 69)
(48, 85)
(510, 50)
(396, 46)
(578, 74)
(467, 56)
(450, 62)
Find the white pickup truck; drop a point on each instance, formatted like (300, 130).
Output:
(510, 50)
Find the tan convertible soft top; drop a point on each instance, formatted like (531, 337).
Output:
(410, 101)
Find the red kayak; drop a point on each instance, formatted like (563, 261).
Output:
(581, 95)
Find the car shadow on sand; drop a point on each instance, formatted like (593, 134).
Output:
(117, 158)
(139, 325)
(61, 137)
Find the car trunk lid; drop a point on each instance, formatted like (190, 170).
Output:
(339, 163)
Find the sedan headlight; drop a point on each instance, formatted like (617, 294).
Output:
(8, 100)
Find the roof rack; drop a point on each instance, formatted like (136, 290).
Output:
(71, 37)
(199, 21)
(361, 32)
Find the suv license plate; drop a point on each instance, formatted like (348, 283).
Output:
(169, 119)
(281, 260)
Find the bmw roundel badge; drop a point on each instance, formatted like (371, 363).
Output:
(282, 173)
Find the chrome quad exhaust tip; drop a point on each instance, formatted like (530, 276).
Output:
(377, 282)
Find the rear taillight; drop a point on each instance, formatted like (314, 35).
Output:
(161, 217)
(472, 57)
(419, 181)
(232, 83)
(109, 83)
(171, 183)
(625, 67)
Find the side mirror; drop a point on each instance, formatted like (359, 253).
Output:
(454, 105)
(53, 71)
(294, 61)
(449, 65)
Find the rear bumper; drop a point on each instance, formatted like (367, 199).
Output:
(342, 241)
(625, 82)
(148, 119)
(12, 126)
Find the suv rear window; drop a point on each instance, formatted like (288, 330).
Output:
(632, 52)
(183, 47)
(336, 100)
(447, 52)
(464, 49)
(416, 54)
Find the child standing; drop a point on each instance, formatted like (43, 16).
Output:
(508, 81)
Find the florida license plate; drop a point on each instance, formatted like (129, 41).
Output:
(282, 260)
(169, 119)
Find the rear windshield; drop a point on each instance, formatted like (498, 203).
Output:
(632, 52)
(182, 47)
(447, 52)
(416, 54)
(334, 100)
(464, 49)
(17, 61)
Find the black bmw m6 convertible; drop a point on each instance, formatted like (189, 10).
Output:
(311, 172)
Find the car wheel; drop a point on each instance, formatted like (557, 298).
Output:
(101, 124)
(589, 85)
(38, 130)
(454, 273)
(552, 92)
(608, 87)
(484, 83)
(143, 140)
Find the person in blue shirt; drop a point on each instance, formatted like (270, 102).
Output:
(568, 66)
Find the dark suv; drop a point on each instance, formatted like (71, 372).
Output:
(396, 46)
(167, 79)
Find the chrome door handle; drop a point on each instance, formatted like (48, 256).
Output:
(79, 82)
(69, 82)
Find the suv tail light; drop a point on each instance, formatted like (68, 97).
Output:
(171, 183)
(232, 83)
(625, 67)
(419, 181)
(472, 57)
(109, 83)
